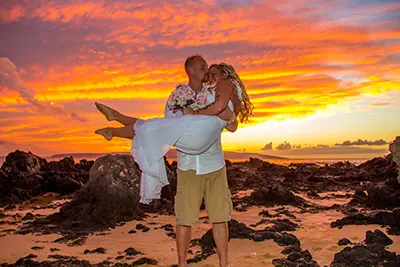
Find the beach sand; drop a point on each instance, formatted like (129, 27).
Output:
(314, 232)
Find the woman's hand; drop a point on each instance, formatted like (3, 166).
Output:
(232, 126)
(227, 115)
(188, 111)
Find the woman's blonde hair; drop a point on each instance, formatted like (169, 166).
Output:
(228, 72)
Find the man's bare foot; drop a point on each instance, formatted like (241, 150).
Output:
(105, 132)
(110, 113)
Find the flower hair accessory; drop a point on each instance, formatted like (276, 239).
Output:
(239, 90)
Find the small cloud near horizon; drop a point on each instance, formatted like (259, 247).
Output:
(284, 146)
(379, 104)
(287, 146)
(361, 142)
(267, 146)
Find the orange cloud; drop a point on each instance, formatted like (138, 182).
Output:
(295, 59)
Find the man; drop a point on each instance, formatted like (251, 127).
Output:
(201, 176)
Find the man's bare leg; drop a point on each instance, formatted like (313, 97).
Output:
(124, 132)
(221, 238)
(183, 235)
(113, 115)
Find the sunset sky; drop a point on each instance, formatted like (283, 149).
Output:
(324, 76)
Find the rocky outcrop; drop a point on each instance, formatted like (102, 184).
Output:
(110, 196)
(370, 255)
(25, 175)
(394, 148)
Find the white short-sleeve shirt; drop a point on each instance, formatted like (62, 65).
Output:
(211, 160)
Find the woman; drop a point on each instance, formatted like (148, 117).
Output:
(153, 138)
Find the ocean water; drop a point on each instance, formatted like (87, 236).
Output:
(284, 162)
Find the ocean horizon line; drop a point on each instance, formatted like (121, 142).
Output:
(229, 155)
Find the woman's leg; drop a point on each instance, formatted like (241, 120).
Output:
(113, 115)
(124, 132)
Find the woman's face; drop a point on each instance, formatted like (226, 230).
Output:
(214, 75)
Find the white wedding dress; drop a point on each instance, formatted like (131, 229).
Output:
(191, 134)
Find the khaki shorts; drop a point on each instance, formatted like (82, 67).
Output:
(191, 190)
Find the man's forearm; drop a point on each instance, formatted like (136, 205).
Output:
(211, 109)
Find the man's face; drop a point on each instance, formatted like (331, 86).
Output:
(199, 69)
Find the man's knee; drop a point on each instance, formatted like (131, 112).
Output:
(218, 198)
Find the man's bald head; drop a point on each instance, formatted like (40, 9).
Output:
(192, 61)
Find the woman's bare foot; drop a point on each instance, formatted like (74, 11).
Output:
(110, 113)
(105, 132)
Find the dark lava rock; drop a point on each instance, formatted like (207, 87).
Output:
(132, 252)
(284, 225)
(61, 257)
(286, 239)
(145, 260)
(30, 256)
(171, 234)
(140, 226)
(384, 195)
(283, 263)
(168, 227)
(28, 216)
(276, 195)
(360, 255)
(110, 196)
(97, 250)
(382, 217)
(71, 262)
(294, 256)
(394, 230)
(161, 206)
(306, 255)
(20, 161)
(377, 237)
(164, 205)
(359, 197)
(258, 237)
(72, 240)
(24, 175)
(374, 254)
(298, 263)
(279, 225)
(344, 242)
(290, 249)
(265, 213)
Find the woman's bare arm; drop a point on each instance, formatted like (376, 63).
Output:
(222, 95)
(229, 116)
